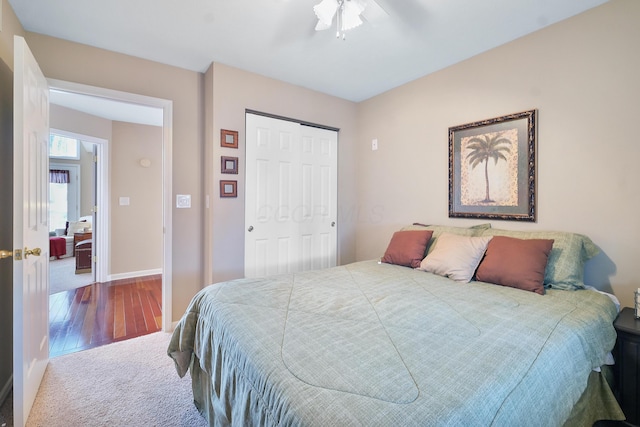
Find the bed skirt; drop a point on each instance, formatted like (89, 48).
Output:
(596, 403)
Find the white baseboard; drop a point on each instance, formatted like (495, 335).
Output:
(6, 389)
(134, 274)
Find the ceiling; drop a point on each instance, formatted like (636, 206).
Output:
(108, 108)
(405, 40)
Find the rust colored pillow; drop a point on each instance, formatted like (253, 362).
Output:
(517, 263)
(407, 247)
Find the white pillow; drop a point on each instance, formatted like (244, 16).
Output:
(77, 227)
(456, 257)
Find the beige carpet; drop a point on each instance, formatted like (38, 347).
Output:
(63, 277)
(129, 383)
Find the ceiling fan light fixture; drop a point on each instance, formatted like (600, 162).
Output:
(347, 11)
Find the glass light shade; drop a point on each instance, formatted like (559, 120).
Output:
(351, 14)
(322, 26)
(325, 11)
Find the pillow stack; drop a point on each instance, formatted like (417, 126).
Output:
(529, 261)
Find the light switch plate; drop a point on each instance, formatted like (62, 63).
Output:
(183, 201)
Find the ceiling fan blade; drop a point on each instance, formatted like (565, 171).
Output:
(374, 13)
(295, 23)
(412, 13)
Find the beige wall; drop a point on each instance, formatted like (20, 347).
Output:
(136, 230)
(70, 120)
(10, 27)
(63, 60)
(582, 76)
(231, 91)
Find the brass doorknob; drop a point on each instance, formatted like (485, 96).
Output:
(34, 251)
(6, 254)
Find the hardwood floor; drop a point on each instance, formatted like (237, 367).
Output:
(103, 313)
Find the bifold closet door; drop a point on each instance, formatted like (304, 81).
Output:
(290, 197)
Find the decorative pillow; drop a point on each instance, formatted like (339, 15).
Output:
(407, 247)
(516, 263)
(476, 230)
(455, 257)
(565, 266)
(77, 227)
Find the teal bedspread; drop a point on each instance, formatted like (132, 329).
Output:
(378, 344)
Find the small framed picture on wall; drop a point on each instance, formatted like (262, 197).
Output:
(228, 138)
(229, 164)
(228, 188)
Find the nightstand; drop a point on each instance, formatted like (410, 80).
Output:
(627, 356)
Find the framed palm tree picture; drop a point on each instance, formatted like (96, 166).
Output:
(492, 168)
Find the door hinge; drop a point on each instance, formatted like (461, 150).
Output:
(95, 259)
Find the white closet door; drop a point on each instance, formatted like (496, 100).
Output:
(318, 198)
(290, 197)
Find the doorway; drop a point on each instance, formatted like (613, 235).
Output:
(68, 222)
(93, 99)
(77, 184)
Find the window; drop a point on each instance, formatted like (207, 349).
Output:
(58, 205)
(63, 147)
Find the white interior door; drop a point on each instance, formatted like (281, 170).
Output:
(30, 230)
(290, 197)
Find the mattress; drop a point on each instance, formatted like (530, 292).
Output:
(381, 344)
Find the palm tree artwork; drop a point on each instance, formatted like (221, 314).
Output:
(482, 149)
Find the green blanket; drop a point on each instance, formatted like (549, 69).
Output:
(378, 344)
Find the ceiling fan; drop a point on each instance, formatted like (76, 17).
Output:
(349, 14)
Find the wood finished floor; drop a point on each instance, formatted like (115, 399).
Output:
(103, 313)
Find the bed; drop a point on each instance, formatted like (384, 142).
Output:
(391, 342)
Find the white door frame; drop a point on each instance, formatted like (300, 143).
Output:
(167, 173)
